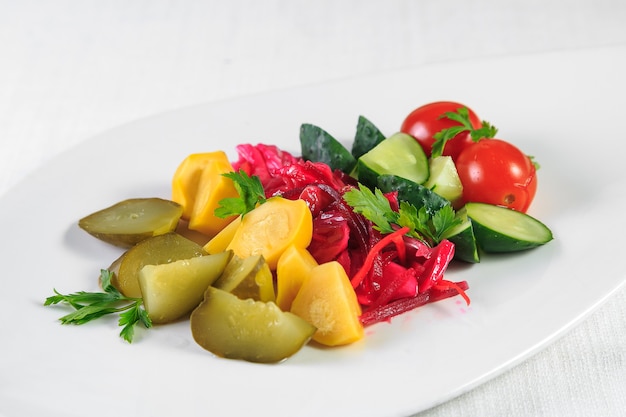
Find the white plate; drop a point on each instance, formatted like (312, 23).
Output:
(563, 108)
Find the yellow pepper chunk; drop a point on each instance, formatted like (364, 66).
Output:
(186, 179)
(271, 228)
(220, 241)
(327, 301)
(294, 266)
(212, 187)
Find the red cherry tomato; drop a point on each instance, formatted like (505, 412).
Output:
(423, 122)
(496, 172)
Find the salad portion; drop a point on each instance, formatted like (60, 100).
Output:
(272, 251)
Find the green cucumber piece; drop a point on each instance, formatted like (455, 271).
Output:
(131, 221)
(500, 229)
(319, 146)
(411, 192)
(400, 155)
(367, 136)
(464, 239)
(444, 179)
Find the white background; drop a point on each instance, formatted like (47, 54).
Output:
(72, 69)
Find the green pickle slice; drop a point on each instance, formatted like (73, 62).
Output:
(156, 250)
(255, 331)
(130, 221)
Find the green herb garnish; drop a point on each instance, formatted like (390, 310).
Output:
(375, 207)
(92, 305)
(461, 116)
(250, 191)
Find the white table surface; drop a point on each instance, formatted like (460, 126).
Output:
(70, 69)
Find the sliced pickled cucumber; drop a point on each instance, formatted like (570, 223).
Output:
(231, 327)
(248, 277)
(156, 250)
(171, 291)
(184, 230)
(130, 221)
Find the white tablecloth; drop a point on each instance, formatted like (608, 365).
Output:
(70, 69)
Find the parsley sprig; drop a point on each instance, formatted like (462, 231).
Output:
(461, 116)
(89, 306)
(375, 207)
(250, 192)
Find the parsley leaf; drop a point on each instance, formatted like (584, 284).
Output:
(461, 116)
(444, 220)
(251, 193)
(415, 219)
(128, 318)
(375, 207)
(89, 306)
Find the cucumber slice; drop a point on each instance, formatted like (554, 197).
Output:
(411, 192)
(400, 155)
(131, 221)
(367, 136)
(249, 277)
(444, 179)
(319, 146)
(500, 229)
(462, 235)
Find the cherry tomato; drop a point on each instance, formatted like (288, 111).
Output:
(423, 122)
(496, 172)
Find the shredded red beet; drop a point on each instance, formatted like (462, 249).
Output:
(262, 160)
(435, 265)
(375, 251)
(391, 273)
(330, 236)
(402, 305)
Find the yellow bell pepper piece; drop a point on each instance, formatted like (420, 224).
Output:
(271, 228)
(294, 266)
(186, 179)
(212, 187)
(327, 301)
(220, 241)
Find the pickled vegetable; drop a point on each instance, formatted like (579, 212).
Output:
(327, 301)
(130, 221)
(294, 266)
(212, 188)
(156, 250)
(248, 278)
(171, 291)
(220, 241)
(251, 330)
(186, 179)
(271, 228)
(198, 237)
